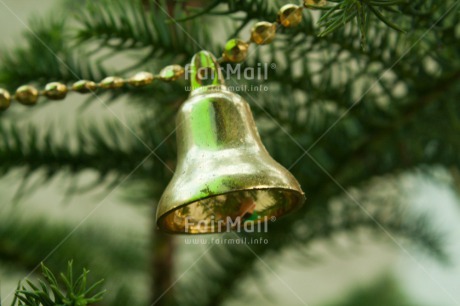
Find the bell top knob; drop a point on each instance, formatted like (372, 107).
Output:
(205, 72)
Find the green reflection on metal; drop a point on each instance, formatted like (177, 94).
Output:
(205, 71)
(204, 126)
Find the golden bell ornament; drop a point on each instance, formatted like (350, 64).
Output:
(224, 178)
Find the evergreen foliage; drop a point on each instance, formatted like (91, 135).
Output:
(364, 92)
(65, 291)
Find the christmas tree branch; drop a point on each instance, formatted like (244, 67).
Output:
(122, 25)
(66, 290)
(47, 56)
(408, 119)
(113, 250)
(105, 250)
(25, 147)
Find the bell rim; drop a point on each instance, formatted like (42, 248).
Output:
(300, 195)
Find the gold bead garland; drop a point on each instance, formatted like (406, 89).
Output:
(235, 51)
(5, 99)
(263, 33)
(290, 15)
(310, 3)
(112, 82)
(84, 86)
(55, 91)
(171, 73)
(141, 79)
(28, 95)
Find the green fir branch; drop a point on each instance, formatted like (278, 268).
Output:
(126, 25)
(46, 56)
(111, 150)
(65, 290)
(408, 121)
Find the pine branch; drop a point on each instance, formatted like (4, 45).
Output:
(128, 25)
(64, 291)
(47, 56)
(340, 14)
(411, 138)
(113, 250)
(105, 250)
(27, 148)
(335, 15)
(254, 9)
(388, 132)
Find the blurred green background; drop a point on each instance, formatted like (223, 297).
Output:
(344, 269)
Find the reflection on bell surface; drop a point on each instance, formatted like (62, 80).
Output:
(224, 176)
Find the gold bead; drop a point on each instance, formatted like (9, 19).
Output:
(112, 82)
(307, 3)
(5, 99)
(263, 33)
(26, 95)
(84, 86)
(141, 79)
(55, 91)
(235, 51)
(171, 73)
(290, 15)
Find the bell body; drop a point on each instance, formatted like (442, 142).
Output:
(224, 175)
